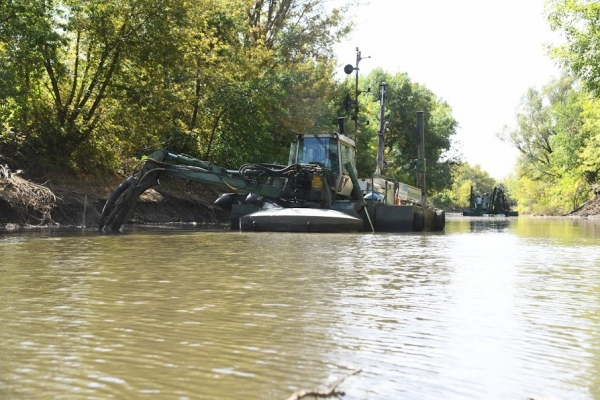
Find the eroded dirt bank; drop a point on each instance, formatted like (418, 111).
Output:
(172, 201)
(590, 209)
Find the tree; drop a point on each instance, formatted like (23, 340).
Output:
(92, 84)
(79, 49)
(556, 136)
(579, 21)
(404, 99)
(589, 155)
(286, 79)
(25, 28)
(541, 117)
(464, 179)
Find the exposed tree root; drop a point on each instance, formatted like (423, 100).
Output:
(31, 200)
(331, 391)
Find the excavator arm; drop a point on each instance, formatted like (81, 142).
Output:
(297, 185)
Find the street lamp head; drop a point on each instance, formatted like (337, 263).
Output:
(348, 69)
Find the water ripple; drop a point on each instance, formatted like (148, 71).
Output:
(483, 311)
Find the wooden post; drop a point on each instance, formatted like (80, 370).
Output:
(84, 209)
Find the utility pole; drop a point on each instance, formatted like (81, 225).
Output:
(348, 102)
(421, 168)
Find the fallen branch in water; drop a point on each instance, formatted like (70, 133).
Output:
(26, 197)
(331, 391)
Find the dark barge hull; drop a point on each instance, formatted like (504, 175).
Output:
(384, 218)
(300, 220)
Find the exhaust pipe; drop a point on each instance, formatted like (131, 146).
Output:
(341, 125)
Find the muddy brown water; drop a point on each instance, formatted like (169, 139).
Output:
(489, 309)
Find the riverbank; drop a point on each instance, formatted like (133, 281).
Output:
(77, 201)
(67, 201)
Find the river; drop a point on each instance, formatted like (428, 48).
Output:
(489, 309)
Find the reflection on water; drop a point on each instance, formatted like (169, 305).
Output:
(490, 309)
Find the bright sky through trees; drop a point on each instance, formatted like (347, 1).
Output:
(479, 56)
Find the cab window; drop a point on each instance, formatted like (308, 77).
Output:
(347, 155)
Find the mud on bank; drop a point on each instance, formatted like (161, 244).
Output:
(589, 209)
(172, 201)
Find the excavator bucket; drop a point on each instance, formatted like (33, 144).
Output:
(123, 199)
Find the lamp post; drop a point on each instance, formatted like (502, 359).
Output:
(349, 102)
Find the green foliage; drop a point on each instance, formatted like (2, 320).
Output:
(541, 198)
(541, 116)
(556, 136)
(464, 179)
(94, 85)
(589, 153)
(576, 159)
(579, 22)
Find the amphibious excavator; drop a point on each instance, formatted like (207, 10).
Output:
(495, 204)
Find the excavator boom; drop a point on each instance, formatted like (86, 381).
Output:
(297, 185)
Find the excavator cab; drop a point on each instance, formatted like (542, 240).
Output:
(331, 151)
(315, 150)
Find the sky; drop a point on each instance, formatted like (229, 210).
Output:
(480, 56)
